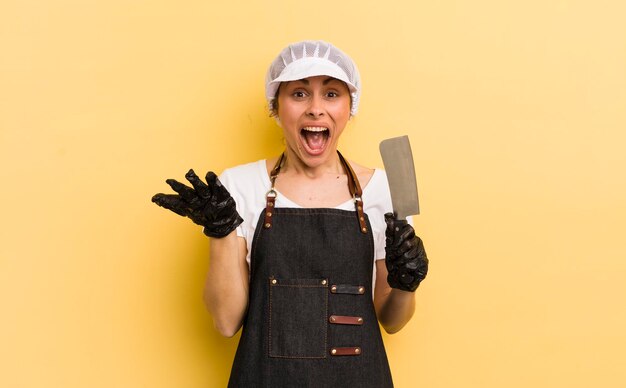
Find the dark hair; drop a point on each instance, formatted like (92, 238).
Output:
(274, 104)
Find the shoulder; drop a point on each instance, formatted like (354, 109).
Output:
(245, 178)
(244, 172)
(363, 173)
(374, 184)
(377, 190)
(243, 169)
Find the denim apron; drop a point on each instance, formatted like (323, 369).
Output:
(311, 319)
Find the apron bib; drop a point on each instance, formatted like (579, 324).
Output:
(311, 318)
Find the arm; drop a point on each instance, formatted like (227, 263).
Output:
(394, 308)
(399, 275)
(226, 287)
(211, 206)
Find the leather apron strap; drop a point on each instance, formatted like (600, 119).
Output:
(353, 186)
(270, 197)
(355, 191)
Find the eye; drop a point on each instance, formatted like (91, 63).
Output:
(298, 94)
(332, 94)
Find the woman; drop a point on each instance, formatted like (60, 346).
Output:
(298, 249)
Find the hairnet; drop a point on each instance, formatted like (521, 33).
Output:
(312, 58)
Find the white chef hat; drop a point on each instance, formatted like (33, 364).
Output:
(312, 58)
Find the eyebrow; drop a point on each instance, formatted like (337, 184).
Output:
(325, 82)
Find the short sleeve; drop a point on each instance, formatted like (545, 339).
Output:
(226, 178)
(377, 200)
(247, 184)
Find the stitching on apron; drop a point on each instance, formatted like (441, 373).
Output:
(324, 317)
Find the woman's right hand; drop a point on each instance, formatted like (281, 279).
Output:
(209, 205)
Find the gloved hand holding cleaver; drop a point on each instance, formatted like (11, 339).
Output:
(405, 258)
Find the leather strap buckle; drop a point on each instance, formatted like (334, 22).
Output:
(351, 351)
(347, 289)
(345, 320)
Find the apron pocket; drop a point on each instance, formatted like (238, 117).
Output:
(298, 318)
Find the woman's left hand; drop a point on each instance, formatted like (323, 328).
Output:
(405, 257)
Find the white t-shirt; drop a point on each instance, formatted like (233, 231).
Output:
(249, 183)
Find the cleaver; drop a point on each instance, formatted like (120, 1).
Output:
(398, 161)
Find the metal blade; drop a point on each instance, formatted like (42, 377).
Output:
(398, 161)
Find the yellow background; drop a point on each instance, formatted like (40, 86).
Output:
(516, 113)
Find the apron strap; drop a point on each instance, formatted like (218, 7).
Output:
(271, 195)
(353, 186)
(355, 191)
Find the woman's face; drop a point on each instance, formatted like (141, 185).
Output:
(313, 113)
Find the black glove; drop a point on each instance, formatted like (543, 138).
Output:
(405, 256)
(209, 205)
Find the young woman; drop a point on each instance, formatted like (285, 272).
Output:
(305, 254)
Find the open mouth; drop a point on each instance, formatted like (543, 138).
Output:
(315, 139)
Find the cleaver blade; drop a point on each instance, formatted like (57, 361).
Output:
(398, 161)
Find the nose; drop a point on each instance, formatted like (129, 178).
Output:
(316, 107)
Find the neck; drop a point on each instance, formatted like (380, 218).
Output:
(295, 165)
